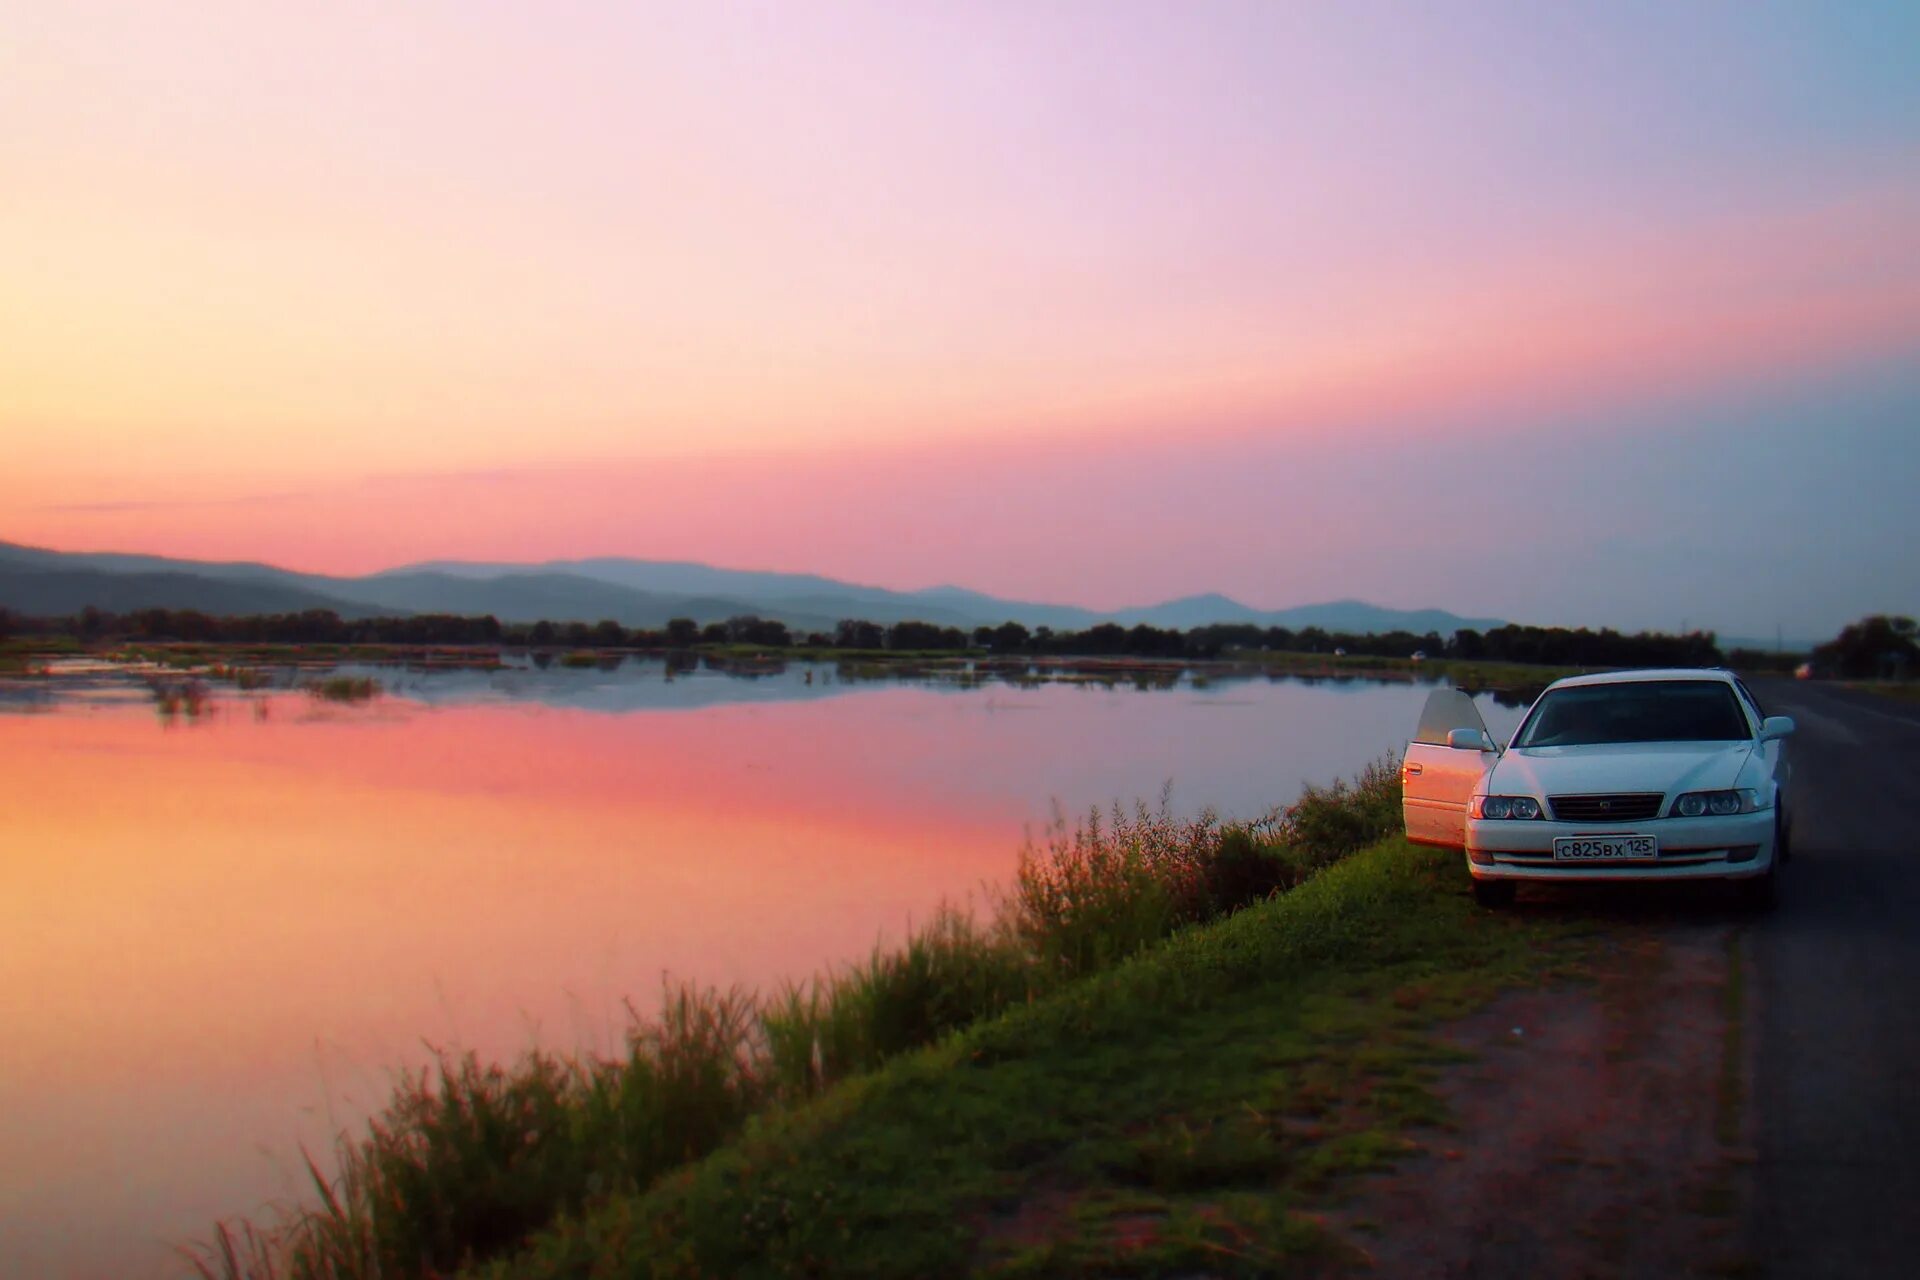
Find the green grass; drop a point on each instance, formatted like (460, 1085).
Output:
(471, 1157)
(969, 1103)
(1187, 1111)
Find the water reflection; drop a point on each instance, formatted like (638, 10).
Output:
(620, 682)
(221, 927)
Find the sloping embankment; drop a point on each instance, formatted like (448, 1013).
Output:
(1190, 1110)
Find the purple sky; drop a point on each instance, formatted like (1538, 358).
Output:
(1602, 314)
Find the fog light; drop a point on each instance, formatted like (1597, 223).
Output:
(1480, 857)
(1743, 853)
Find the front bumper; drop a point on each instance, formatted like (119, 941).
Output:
(1705, 848)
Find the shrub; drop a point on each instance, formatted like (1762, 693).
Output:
(1086, 897)
(1328, 823)
(1245, 869)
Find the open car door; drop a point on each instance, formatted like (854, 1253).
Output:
(1437, 780)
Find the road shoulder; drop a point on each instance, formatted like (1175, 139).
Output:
(1595, 1129)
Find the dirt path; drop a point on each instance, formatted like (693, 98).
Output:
(1599, 1130)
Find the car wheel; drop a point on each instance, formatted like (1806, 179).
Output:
(1758, 893)
(1493, 893)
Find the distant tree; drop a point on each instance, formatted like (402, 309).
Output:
(609, 634)
(1105, 638)
(714, 633)
(1210, 641)
(911, 634)
(578, 634)
(1764, 661)
(752, 629)
(542, 634)
(6, 623)
(1149, 641)
(682, 633)
(1881, 646)
(1008, 637)
(855, 633)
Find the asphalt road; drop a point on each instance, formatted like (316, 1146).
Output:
(1836, 997)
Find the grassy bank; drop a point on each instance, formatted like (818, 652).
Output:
(1186, 1112)
(1129, 1070)
(471, 1158)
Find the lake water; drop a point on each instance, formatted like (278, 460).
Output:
(222, 928)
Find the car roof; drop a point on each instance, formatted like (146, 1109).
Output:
(1717, 674)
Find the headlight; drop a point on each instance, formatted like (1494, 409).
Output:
(1522, 807)
(1721, 804)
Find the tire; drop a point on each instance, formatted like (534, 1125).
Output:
(1493, 893)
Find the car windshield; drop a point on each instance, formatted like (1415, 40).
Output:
(1640, 711)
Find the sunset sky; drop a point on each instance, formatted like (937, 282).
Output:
(1583, 314)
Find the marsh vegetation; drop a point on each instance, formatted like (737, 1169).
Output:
(344, 688)
(469, 1158)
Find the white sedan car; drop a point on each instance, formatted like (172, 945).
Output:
(1633, 775)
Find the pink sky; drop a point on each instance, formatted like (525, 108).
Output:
(987, 294)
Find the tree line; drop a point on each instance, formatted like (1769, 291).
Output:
(1556, 646)
(1881, 647)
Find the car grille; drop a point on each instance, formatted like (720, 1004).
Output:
(1632, 807)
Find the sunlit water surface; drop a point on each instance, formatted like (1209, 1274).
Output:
(222, 929)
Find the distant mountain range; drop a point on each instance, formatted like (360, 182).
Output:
(635, 593)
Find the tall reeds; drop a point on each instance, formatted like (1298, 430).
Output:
(470, 1158)
(174, 698)
(344, 688)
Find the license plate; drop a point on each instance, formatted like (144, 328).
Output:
(1605, 848)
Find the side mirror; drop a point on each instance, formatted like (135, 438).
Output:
(1470, 740)
(1775, 727)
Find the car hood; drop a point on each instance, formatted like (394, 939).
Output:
(1667, 767)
